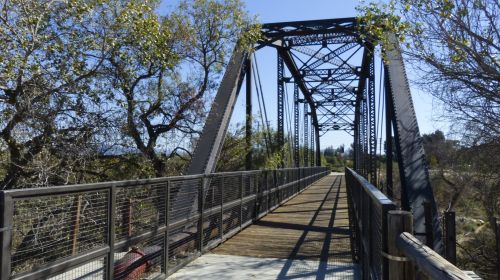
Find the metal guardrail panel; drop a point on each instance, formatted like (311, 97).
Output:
(72, 231)
(368, 210)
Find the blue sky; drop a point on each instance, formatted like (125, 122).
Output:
(293, 10)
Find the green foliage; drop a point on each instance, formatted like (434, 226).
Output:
(465, 180)
(453, 46)
(377, 20)
(79, 76)
(334, 158)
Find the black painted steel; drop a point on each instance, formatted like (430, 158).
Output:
(306, 134)
(280, 109)
(212, 137)
(296, 150)
(231, 201)
(411, 157)
(248, 107)
(388, 136)
(368, 209)
(372, 134)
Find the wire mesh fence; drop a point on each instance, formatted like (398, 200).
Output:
(368, 209)
(134, 229)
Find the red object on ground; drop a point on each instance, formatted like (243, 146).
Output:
(130, 266)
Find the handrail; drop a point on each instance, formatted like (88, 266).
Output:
(368, 208)
(369, 212)
(427, 260)
(82, 228)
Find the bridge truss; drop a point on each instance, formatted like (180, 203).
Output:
(332, 69)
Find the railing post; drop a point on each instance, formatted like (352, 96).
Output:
(242, 189)
(75, 224)
(256, 188)
(276, 185)
(429, 232)
(221, 227)
(399, 266)
(111, 233)
(385, 247)
(266, 175)
(6, 223)
(497, 233)
(450, 238)
(167, 220)
(201, 210)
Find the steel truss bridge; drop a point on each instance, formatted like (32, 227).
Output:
(134, 229)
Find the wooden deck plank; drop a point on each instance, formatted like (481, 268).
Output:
(314, 225)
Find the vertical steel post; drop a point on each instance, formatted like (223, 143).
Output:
(221, 227)
(266, 174)
(313, 163)
(6, 223)
(306, 134)
(281, 111)
(201, 210)
(450, 238)
(296, 124)
(109, 269)
(388, 134)
(318, 146)
(497, 235)
(242, 189)
(167, 220)
(356, 142)
(365, 133)
(429, 232)
(248, 125)
(372, 135)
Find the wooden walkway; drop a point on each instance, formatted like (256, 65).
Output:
(313, 225)
(306, 238)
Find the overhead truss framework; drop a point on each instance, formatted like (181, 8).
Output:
(324, 59)
(332, 68)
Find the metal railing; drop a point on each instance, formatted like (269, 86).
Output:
(120, 230)
(384, 244)
(368, 209)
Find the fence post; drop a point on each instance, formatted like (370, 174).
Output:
(385, 233)
(167, 220)
(201, 207)
(221, 227)
(6, 222)
(399, 267)
(497, 233)
(276, 185)
(109, 270)
(75, 224)
(242, 189)
(256, 188)
(450, 238)
(429, 233)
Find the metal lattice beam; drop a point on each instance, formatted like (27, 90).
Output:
(372, 137)
(414, 175)
(306, 135)
(296, 125)
(280, 108)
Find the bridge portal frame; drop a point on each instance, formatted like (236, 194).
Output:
(285, 36)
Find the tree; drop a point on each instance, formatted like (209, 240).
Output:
(163, 69)
(454, 46)
(50, 54)
(79, 78)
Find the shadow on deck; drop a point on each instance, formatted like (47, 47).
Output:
(306, 238)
